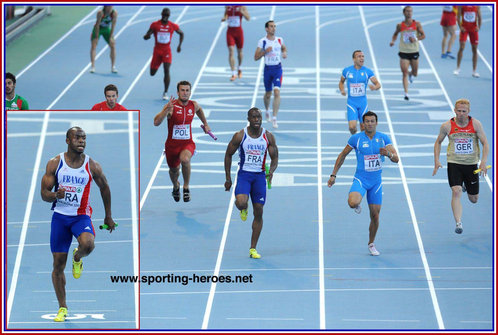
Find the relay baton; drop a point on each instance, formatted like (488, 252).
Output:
(209, 133)
(479, 170)
(267, 170)
(104, 226)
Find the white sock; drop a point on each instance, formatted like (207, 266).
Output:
(234, 73)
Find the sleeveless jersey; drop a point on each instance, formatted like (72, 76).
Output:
(469, 17)
(106, 20)
(274, 57)
(234, 19)
(180, 123)
(77, 183)
(162, 34)
(406, 32)
(252, 152)
(463, 146)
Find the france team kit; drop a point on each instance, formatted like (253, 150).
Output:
(273, 62)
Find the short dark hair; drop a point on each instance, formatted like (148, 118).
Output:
(183, 82)
(406, 7)
(369, 113)
(254, 109)
(70, 130)
(110, 87)
(10, 76)
(354, 52)
(165, 9)
(268, 23)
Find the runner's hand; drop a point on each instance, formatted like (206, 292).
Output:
(228, 184)
(437, 166)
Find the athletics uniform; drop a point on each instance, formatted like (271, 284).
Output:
(104, 27)
(407, 49)
(273, 62)
(235, 34)
(469, 23)
(17, 103)
(179, 132)
(102, 106)
(368, 175)
(448, 18)
(162, 49)
(357, 79)
(251, 176)
(462, 156)
(72, 214)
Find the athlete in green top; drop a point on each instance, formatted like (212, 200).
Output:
(106, 21)
(12, 100)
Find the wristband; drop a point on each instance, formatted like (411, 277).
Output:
(333, 175)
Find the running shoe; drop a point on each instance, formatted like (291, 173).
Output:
(243, 214)
(449, 55)
(176, 193)
(456, 72)
(274, 123)
(373, 250)
(92, 69)
(357, 209)
(61, 315)
(459, 228)
(114, 70)
(410, 78)
(165, 96)
(444, 55)
(240, 73)
(253, 253)
(186, 195)
(475, 74)
(406, 98)
(77, 266)
(267, 113)
(233, 77)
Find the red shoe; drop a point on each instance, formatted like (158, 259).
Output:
(240, 73)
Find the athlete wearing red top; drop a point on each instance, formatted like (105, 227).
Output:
(179, 146)
(111, 97)
(448, 22)
(235, 36)
(462, 155)
(469, 20)
(163, 31)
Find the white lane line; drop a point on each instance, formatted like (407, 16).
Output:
(376, 320)
(74, 244)
(321, 281)
(427, 270)
(85, 69)
(79, 24)
(212, 290)
(267, 319)
(484, 61)
(165, 317)
(48, 221)
(27, 214)
(69, 291)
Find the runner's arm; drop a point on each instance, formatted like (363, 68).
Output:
(395, 35)
(114, 20)
(202, 117)
(338, 163)
(48, 182)
(245, 13)
(273, 152)
(180, 32)
(105, 191)
(420, 31)
(485, 145)
(231, 149)
(443, 132)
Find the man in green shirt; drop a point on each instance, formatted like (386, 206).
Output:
(12, 100)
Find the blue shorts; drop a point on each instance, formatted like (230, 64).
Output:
(64, 227)
(253, 183)
(272, 77)
(373, 188)
(356, 109)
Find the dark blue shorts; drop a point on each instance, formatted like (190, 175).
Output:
(64, 227)
(272, 77)
(253, 183)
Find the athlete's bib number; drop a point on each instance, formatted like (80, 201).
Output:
(163, 37)
(357, 89)
(407, 35)
(464, 146)
(372, 163)
(181, 132)
(234, 21)
(469, 16)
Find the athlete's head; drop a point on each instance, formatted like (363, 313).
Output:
(76, 140)
(107, 9)
(254, 117)
(165, 14)
(408, 12)
(462, 109)
(369, 114)
(370, 122)
(358, 58)
(111, 95)
(183, 89)
(270, 27)
(10, 83)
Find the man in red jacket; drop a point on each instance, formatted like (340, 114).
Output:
(111, 98)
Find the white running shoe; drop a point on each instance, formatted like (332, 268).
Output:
(456, 72)
(373, 250)
(459, 228)
(274, 123)
(165, 96)
(268, 119)
(475, 75)
(92, 69)
(357, 209)
(114, 70)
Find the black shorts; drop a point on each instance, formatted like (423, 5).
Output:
(459, 173)
(409, 56)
